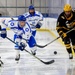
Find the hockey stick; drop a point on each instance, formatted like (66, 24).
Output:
(48, 62)
(36, 44)
(40, 46)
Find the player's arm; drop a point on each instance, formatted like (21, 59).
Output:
(3, 33)
(60, 27)
(39, 24)
(5, 24)
(40, 16)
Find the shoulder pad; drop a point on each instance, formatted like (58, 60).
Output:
(26, 14)
(62, 17)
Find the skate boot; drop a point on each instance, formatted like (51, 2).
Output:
(17, 57)
(70, 56)
(33, 52)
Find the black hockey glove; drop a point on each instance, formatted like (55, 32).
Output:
(39, 24)
(63, 35)
(22, 46)
(3, 33)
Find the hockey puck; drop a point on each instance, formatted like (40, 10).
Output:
(55, 52)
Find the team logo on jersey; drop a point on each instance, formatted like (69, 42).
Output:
(12, 24)
(26, 29)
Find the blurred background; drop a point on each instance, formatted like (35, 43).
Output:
(49, 8)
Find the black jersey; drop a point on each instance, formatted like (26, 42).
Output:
(64, 24)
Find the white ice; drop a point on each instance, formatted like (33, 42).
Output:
(28, 65)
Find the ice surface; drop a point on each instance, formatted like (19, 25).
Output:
(28, 65)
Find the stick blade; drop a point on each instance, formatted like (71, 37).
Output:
(49, 62)
(40, 46)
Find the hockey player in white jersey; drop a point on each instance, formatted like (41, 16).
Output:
(34, 18)
(22, 30)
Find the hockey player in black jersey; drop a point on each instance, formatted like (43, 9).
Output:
(65, 22)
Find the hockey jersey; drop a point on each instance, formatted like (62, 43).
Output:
(25, 31)
(33, 20)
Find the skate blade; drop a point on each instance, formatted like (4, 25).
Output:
(17, 61)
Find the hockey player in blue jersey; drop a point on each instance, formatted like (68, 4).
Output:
(21, 29)
(34, 18)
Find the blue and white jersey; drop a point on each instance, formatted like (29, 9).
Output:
(33, 20)
(25, 32)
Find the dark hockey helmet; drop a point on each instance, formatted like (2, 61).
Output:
(31, 7)
(21, 18)
(31, 10)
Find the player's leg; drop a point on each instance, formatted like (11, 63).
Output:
(68, 47)
(72, 37)
(73, 43)
(34, 33)
(31, 44)
(33, 50)
(17, 40)
(73, 46)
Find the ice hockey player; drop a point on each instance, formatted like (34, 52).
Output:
(34, 18)
(65, 22)
(22, 30)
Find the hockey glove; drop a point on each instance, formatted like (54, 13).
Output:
(22, 46)
(39, 24)
(63, 35)
(3, 33)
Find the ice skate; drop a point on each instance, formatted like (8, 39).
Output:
(33, 52)
(70, 56)
(17, 57)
